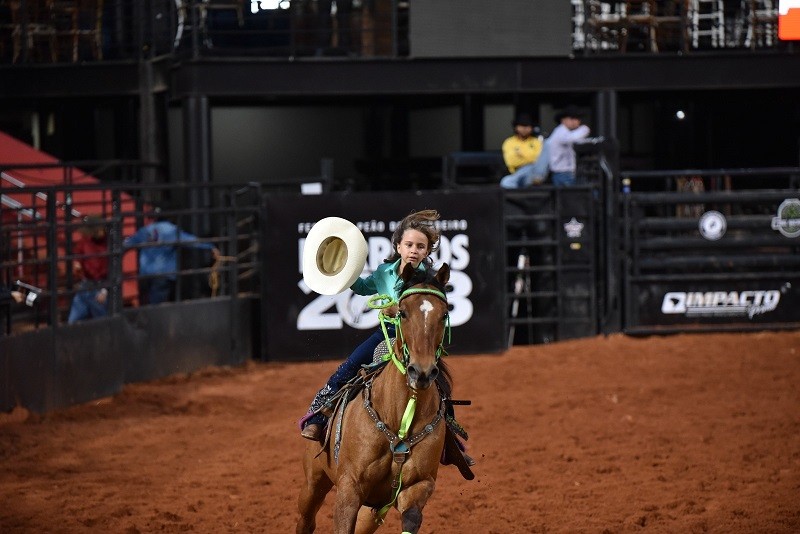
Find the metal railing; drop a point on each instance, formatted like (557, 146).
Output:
(41, 226)
(44, 31)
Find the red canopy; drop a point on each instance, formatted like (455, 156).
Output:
(22, 209)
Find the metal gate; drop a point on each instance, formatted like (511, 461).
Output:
(552, 243)
(711, 250)
(652, 252)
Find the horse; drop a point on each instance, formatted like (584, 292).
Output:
(389, 445)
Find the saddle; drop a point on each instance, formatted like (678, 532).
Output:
(333, 408)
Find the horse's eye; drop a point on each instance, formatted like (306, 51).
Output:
(401, 314)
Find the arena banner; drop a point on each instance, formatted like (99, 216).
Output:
(735, 303)
(303, 325)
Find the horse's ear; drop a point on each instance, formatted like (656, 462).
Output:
(443, 274)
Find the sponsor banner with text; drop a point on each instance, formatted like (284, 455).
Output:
(303, 325)
(734, 302)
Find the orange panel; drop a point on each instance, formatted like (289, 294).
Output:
(789, 25)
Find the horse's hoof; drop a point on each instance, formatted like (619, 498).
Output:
(312, 432)
(469, 459)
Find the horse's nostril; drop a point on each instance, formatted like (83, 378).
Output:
(434, 373)
(413, 371)
(421, 379)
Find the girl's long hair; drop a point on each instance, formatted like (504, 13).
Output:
(423, 221)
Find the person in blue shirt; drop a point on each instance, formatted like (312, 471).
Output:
(158, 255)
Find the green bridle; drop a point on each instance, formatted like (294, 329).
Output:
(399, 446)
(381, 302)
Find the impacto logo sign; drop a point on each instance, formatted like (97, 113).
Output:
(789, 20)
(720, 303)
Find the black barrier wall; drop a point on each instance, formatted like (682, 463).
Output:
(641, 253)
(711, 251)
(303, 325)
(54, 368)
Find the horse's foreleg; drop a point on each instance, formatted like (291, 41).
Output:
(366, 523)
(411, 501)
(312, 495)
(348, 502)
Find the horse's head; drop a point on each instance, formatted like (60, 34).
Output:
(423, 320)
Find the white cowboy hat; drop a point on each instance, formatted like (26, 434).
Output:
(333, 255)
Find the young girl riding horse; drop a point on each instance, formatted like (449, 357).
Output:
(414, 240)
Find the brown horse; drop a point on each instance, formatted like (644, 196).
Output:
(392, 436)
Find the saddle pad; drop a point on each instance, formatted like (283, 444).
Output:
(381, 350)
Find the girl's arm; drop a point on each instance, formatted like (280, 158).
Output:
(364, 286)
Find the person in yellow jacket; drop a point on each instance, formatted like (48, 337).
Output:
(521, 152)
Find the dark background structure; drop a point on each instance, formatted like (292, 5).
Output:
(262, 100)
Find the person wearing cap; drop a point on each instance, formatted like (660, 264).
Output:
(522, 154)
(560, 145)
(91, 265)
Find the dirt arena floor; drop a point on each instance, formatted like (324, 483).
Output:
(689, 433)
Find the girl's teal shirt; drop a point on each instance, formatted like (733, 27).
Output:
(384, 281)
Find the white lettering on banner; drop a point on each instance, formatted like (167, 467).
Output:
(346, 308)
(461, 311)
(379, 227)
(366, 227)
(300, 244)
(371, 226)
(720, 303)
(354, 311)
(313, 316)
(454, 252)
(350, 309)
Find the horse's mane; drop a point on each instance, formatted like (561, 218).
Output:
(428, 277)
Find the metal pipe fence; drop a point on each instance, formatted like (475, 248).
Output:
(43, 226)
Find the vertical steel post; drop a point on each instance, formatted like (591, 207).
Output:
(115, 250)
(52, 253)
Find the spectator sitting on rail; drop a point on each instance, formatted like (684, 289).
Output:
(89, 300)
(524, 154)
(560, 145)
(161, 257)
